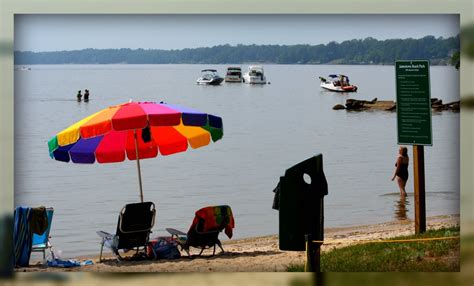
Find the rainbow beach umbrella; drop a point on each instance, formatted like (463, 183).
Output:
(135, 130)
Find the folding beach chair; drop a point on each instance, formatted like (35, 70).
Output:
(204, 231)
(133, 229)
(41, 243)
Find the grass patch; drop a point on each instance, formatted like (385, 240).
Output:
(436, 255)
(295, 268)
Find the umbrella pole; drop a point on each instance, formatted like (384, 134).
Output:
(138, 165)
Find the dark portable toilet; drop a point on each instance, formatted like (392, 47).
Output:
(301, 208)
(6, 245)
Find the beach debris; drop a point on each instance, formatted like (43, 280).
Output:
(389, 105)
(358, 105)
(437, 105)
(339, 107)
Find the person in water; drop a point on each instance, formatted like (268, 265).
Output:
(86, 95)
(79, 95)
(401, 169)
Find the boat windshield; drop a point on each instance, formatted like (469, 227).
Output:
(209, 73)
(255, 73)
(234, 72)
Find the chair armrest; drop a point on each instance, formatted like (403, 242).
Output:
(104, 234)
(176, 232)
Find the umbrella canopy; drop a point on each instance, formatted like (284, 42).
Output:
(134, 130)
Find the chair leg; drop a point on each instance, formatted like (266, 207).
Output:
(51, 252)
(187, 251)
(44, 256)
(214, 251)
(202, 249)
(117, 254)
(220, 245)
(101, 248)
(50, 247)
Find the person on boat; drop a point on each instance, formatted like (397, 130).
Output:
(79, 95)
(401, 169)
(86, 95)
(344, 81)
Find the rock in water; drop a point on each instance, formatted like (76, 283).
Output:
(339, 107)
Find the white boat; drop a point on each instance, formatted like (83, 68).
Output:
(23, 68)
(338, 83)
(255, 75)
(234, 74)
(209, 77)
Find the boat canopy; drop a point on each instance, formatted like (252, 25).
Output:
(337, 75)
(209, 70)
(234, 68)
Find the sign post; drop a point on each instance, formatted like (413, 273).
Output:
(414, 124)
(419, 181)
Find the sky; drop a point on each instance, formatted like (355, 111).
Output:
(48, 32)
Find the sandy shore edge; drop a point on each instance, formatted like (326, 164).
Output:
(260, 254)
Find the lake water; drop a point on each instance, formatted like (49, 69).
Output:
(267, 129)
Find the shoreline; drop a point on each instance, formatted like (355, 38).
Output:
(255, 254)
(225, 240)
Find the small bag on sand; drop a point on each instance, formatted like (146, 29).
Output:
(163, 248)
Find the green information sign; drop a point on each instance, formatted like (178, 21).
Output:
(413, 102)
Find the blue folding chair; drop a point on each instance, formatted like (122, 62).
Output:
(43, 242)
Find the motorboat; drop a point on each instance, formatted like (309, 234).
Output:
(23, 68)
(234, 74)
(209, 77)
(255, 75)
(338, 83)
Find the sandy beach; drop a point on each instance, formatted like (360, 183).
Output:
(258, 254)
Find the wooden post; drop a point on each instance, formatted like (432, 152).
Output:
(313, 254)
(419, 181)
(319, 279)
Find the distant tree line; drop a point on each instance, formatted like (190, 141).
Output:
(357, 51)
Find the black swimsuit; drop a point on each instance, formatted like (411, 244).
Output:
(402, 172)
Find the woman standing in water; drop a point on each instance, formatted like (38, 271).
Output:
(401, 170)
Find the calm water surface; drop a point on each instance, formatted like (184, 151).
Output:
(267, 129)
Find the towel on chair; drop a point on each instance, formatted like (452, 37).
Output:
(27, 221)
(39, 220)
(22, 237)
(215, 218)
